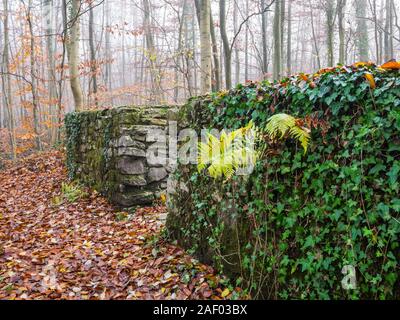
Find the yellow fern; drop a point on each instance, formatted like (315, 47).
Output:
(225, 155)
(283, 124)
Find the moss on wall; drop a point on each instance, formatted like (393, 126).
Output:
(106, 149)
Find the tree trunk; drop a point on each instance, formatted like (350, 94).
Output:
(277, 41)
(225, 42)
(329, 12)
(316, 47)
(217, 69)
(388, 38)
(289, 39)
(282, 32)
(73, 53)
(205, 44)
(6, 81)
(157, 95)
(35, 102)
(362, 31)
(264, 31)
(246, 44)
(341, 4)
(93, 62)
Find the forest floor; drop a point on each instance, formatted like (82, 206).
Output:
(51, 248)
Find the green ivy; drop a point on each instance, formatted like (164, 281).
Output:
(73, 125)
(300, 218)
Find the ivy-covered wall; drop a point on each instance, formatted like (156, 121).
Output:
(108, 150)
(299, 223)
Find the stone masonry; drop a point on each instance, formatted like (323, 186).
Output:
(121, 152)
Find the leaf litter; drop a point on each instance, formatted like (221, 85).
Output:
(80, 250)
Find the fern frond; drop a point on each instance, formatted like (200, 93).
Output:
(301, 135)
(279, 124)
(226, 154)
(282, 124)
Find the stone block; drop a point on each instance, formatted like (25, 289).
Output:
(131, 151)
(129, 165)
(134, 181)
(156, 174)
(132, 198)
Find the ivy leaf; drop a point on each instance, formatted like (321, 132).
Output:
(310, 242)
(393, 173)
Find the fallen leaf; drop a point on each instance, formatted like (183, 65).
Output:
(225, 293)
(391, 65)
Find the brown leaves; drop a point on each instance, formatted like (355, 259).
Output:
(80, 250)
(363, 64)
(391, 65)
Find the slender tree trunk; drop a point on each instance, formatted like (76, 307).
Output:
(35, 101)
(6, 81)
(217, 69)
(388, 38)
(289, 39)
(48, 6)
(376, 32)
(362, 31)
(264, 31)
(277, 41)
(316, 47)
(152, 53)
(205, 12)
(282, 32)
(341, 4)
(178, 66)
(329, 12)
(73, 53)
(235, 29)
(194, 45)
(225, 42)
(246, 44)
(93, 62)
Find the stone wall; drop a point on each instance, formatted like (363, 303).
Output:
(121, 152)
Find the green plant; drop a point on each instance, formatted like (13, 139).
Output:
(285, 125)
(71, 192)
(226, 154)
(290, 227)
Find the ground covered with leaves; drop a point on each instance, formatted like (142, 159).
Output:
(54, 246)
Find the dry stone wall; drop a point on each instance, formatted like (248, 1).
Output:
(121, 152)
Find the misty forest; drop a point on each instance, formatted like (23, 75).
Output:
(90, 88)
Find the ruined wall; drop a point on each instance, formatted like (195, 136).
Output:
(121, 152)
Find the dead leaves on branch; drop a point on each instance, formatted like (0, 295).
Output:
(80, 250)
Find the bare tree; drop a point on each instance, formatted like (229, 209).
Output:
(93, 62)
(205, 43)
(362, 31)
(72, 40)
(6, 82)
(35, 98)
(341, 5)
(289, 39)
(225, 42)
(277, 41)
